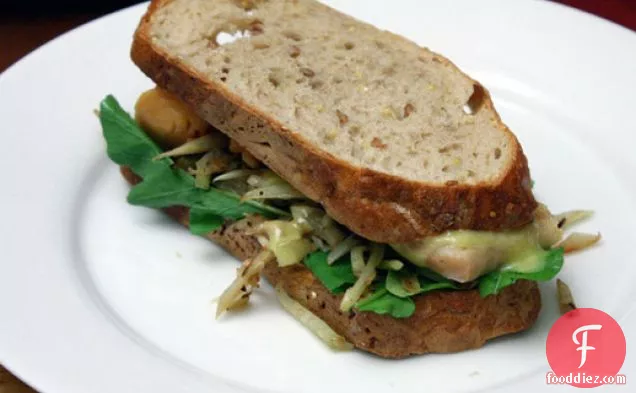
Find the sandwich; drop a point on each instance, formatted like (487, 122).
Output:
(368, 179)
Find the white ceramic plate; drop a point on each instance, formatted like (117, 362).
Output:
(98, 296)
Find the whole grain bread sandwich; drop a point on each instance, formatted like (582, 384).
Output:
(368, 179)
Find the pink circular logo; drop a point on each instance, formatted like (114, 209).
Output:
(585, 347)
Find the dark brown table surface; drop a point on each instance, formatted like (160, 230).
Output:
(20, 34)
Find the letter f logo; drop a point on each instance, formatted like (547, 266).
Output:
(584, 347)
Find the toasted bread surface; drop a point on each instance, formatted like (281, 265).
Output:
(444, 321)
(427, 168)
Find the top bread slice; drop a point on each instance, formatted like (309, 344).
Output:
(392, 139)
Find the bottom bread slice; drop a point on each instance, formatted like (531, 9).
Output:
(444, 321)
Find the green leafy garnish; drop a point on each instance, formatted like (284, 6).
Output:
(163, 184)
(492, 283)
(203, 221)
(402, 284)
(384, 302)
(126, 143)
(174, 187)
(428, 285)
(336, 277)
(405, 284)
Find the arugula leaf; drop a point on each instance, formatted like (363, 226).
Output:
(384, 302)
(335, 277)
(126, 143)
(229, 205)
(492, 283)
(203, 221)
(404, 284)
(427, 285)
(164, 185)
(174, 187)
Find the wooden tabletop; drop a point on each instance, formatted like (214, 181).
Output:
(10, 384)
(22, 34)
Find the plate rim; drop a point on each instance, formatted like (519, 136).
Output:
(23, 373)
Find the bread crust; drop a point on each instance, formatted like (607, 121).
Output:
(444, 321)
(375, 205)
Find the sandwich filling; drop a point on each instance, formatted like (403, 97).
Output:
(185, 162)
